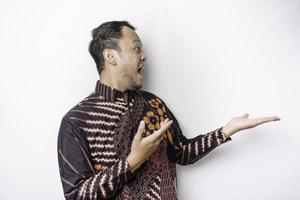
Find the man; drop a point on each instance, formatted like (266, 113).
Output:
(124, 143)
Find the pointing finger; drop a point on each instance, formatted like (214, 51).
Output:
(158, 134)
(140, 131)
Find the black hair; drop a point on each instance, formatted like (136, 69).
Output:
(106, 36)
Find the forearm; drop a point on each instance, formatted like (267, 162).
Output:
(191, 150)
(104, 184)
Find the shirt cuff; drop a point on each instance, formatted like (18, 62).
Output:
(222, 138)
(128, 174)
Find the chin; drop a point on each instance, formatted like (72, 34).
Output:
(133, 84)
(137, 86)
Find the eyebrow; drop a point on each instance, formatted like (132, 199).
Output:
(136, 40)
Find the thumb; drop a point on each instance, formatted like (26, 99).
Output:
(140, 131)
(245, 116)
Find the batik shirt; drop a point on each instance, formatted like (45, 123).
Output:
(95, 138)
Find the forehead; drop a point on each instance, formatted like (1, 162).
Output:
(129, 35)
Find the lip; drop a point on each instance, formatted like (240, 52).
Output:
(141, 68)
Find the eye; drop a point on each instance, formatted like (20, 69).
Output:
(137, 49)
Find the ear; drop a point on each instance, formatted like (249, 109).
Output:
(110, 56)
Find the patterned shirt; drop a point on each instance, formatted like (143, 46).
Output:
(95, 139)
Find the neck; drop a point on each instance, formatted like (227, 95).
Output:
(112, 81)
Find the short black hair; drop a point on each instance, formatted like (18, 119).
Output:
(106, 36)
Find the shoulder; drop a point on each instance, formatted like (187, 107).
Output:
(155, 101)
(150, 96)
(82, 109)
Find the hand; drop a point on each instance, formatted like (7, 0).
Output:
(142, 148)
(242, 122)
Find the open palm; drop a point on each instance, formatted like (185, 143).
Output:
(239, 123)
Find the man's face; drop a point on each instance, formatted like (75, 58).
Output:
(131, 59)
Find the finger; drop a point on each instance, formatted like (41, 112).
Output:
(163, 135)
(158, 134)
(162, 138)
(150, 136)
(164, 122)
(159, 140)
(245, 116)
(267, 119)
(140, 131)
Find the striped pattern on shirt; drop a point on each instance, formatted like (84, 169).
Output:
(95, 138)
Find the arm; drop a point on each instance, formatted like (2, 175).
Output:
(79, 179)
(188, 151)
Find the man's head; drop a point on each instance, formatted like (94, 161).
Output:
(117, 50)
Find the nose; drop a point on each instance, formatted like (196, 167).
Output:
(143, 56)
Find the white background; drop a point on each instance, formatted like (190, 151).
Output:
(208, 60)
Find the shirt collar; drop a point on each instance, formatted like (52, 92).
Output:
(109, 93)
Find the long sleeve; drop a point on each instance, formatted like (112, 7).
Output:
(188, 151)
(79, 179)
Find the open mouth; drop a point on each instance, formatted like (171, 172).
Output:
(140, 69)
